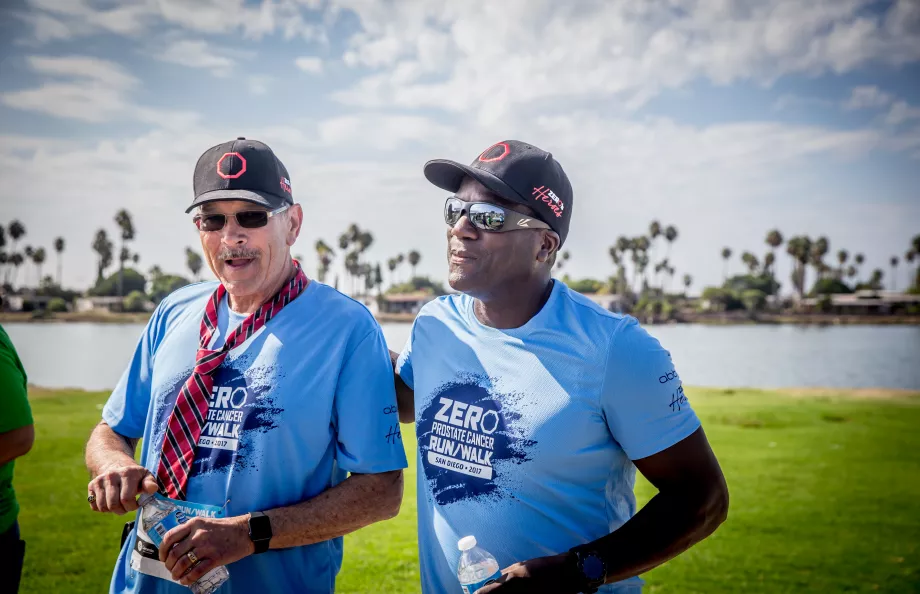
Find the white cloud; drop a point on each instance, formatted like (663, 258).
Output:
(90, 90)
(901, 112)
(310, 64)
(130, 17)
(868, 97)
(516, 53)
(199, 54)
(259, 85)
(380, 131)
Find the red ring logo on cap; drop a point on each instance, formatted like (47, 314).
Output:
(233, 175)
(504, 154)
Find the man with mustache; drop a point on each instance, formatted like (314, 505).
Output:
(265, 402)
(534, 406)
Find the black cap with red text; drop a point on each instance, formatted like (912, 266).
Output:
(242, 170)
(516, 171)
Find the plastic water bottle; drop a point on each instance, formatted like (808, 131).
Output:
(157, 518)
(477, 567)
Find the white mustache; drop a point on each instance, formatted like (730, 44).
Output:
(238, 254)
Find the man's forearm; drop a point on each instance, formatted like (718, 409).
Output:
(668, 525)
(358, 501)
(16, 443)
(106, 447)
(405, 396)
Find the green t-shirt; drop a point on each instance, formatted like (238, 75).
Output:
(14, 413)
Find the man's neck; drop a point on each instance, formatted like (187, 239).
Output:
(516, 306)
(248, 304)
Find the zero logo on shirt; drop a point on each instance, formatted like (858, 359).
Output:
(462, 433)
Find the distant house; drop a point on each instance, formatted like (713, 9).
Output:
(26, 302)
(867, 302)
(610, 301)
(99, 304)
(404, 303)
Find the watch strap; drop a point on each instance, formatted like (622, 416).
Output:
(260, 531)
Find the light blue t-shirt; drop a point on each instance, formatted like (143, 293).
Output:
(526, 436)
(306, 400)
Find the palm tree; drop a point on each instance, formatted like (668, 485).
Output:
(726, 254)
(400, 258)
(414, 259)
(654, 232)
(324, 255)
(563, 258)
(800, 248)
(17, 231)
(688, 280)
(842, 256)
(774, 239)
(38, 257)
(124, 222)
(894, 273)
(769, 259)
(909, 256)
(670, 234)
(818, 250)
(59, 248)
(193, 262)
(750, 260)
(103, 248)
(28, 251)
(392, 263)
(859, 259)
(16, 260)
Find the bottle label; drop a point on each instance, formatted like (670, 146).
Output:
(145, 554)
(158, 531)
(471, 588)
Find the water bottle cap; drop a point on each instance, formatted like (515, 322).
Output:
(466, 543)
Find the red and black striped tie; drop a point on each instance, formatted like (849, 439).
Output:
(188, 417)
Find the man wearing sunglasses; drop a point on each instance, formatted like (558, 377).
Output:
(265, 402)
(534, 407)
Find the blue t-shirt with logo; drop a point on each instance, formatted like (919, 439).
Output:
(306, 400)
(526, 436)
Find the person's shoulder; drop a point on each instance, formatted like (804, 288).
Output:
(189, 295)
(590, 313)
(444, 304)
(347, 310)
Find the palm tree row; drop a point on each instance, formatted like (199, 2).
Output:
(11, 260)
(640, 252)
(805, 253)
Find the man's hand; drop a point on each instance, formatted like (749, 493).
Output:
(543, 575)
(214, 542)
(117, 487)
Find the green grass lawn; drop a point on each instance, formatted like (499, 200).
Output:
(825, 497)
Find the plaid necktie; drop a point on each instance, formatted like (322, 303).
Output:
(188, 417)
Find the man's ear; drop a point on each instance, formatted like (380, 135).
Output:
(295, 222)
(549, 245)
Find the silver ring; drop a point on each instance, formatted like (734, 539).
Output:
(192, 557)
(91, 498)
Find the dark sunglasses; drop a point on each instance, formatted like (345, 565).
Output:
(247, 219)
(489, 217)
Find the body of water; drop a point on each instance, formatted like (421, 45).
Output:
(93, 356)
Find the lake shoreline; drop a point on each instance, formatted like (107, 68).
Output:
(714, 319)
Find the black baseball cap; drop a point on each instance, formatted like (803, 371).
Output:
(516, 171)
(242, 170)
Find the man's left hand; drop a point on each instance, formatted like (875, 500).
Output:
(543, 575)
(214, 541)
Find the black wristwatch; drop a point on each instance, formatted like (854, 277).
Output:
(260, 531)
(590, 569)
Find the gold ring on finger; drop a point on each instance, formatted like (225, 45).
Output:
(192, 557)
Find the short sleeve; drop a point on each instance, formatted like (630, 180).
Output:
(126, 409)
(643, 399)
(14, 404)
(367, 422)
(404, 362)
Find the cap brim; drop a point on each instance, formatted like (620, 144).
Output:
(448, 175)
(261, 198)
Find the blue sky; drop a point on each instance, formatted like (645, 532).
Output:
(723, 118)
